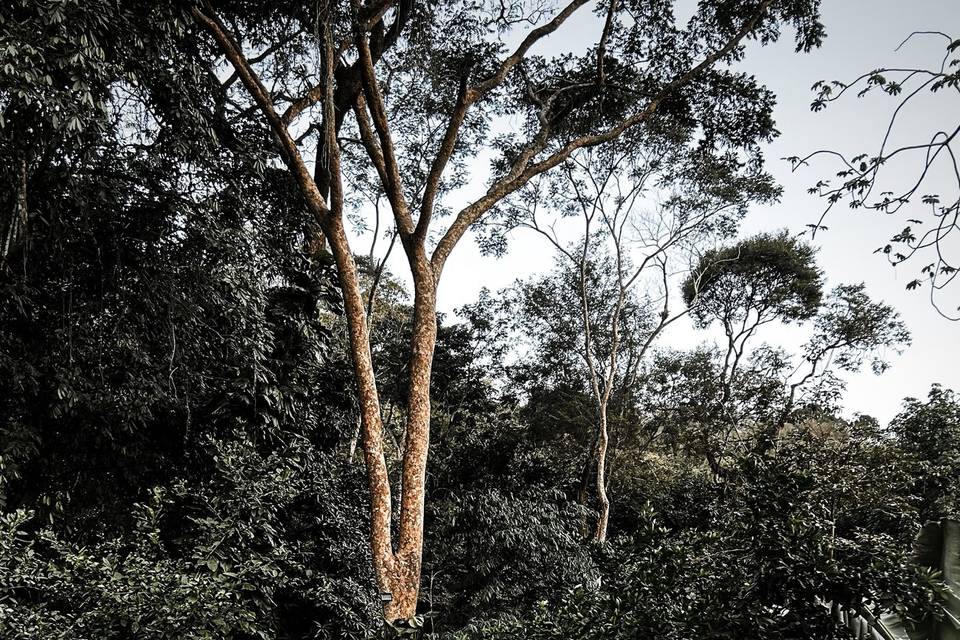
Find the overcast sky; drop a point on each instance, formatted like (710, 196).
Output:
(862, 35)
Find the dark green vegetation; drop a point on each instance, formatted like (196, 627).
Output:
(179, 426)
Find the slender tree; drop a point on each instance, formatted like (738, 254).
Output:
(641, 212)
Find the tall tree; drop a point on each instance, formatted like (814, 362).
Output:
(451, 81)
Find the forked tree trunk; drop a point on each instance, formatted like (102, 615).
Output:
(397, 571)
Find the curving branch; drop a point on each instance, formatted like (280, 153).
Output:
(264, 102)
(861, 176)
(522, 170)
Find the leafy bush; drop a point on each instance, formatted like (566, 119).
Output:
(254, 551)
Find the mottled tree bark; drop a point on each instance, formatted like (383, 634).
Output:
(417, 443)
(369, 400)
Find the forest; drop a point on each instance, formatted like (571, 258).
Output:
(234, 404)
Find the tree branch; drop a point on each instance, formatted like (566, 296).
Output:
(522, 172)
(264, 101)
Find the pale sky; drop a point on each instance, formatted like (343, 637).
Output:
(862, 35)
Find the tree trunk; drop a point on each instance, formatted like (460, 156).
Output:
(384, 561)
(397, 573)
(416, 446)
(405, 590)
(603, 516)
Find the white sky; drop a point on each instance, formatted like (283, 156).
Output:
(862, 35)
